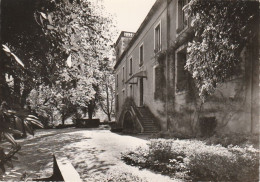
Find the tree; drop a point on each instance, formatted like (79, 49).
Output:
(222, 28)
(84, 34)
(106, 100)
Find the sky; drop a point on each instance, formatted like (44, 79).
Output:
(128, 14)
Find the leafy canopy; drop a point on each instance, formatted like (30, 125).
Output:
(221, 29)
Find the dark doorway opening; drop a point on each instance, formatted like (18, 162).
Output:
(128, 125)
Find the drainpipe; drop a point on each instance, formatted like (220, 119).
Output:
(167, 60)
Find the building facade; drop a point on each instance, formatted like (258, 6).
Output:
(154, 92)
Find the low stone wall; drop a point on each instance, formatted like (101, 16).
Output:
(87, 123)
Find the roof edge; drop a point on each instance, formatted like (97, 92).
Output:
(146, 20)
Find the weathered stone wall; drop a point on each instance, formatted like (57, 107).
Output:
(234, 104)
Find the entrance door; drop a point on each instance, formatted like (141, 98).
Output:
(141, 90)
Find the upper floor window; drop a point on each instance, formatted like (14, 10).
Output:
(141, 55)
(123, 94)
(157, 38)
(117, 80)
(182, 75)
(182, 18)
(117, 102)
(123, 74)
(131, 66)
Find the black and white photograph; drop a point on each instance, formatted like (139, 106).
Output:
(129, 90)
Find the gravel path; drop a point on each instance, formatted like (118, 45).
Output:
(94, 154)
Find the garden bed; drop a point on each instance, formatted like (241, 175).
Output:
(196, 160)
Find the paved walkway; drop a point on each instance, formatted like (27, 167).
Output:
(94, 153)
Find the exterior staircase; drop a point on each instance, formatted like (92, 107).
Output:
(148, 121)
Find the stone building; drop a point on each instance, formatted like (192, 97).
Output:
(155, 93)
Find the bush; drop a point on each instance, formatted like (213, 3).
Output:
(171, 135)
(159, 157)
(232, 164)
(194, 160)
(116, 176)
(234, 139)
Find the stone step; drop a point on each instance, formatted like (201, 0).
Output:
(148, 122)
(150, 132)
(149, 125)
(146, 118)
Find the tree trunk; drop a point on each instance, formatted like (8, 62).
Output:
(17, 90)
(84, 109)
(109, 117)
(63, 118)
(91, 107)
(24, 96)
(108, 112)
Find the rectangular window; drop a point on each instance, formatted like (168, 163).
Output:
(123, 74)
(131, 66)
(117, 102)
(116, 80)
(130, 91)
(157, 38)
(159, 82)
(182, 18)
(141, 55)
(182, 76)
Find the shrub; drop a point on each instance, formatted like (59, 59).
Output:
(171, 135)
(159, 156)
(194, 160)
(233, 164)
(116, 176)
(233, 139)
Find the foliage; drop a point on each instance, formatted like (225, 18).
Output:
(84, 32)
(41, 55)
(234, 139)
(116, 176)
(232, 164)
(222, 28)
(76, 31)
(8, 120)
(107, 88)
(194, 160)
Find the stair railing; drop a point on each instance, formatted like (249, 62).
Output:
(139, 122)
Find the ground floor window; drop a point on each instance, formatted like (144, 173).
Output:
(159, 82)
(182, 75)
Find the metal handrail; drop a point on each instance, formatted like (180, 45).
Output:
(139, 122)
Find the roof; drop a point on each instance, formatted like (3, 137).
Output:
(121, 35)
(137, 34)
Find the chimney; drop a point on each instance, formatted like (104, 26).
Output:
(122, 42)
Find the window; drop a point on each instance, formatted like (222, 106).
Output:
(182, 75)
(117, 102)
(157, 38)
(141, 55)
(123, 74)
(182, 18)
(159, 82)
(123, 94)
(116, 80)
(130, 93)
(131, 66)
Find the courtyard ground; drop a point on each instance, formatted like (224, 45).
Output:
(94, 153)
